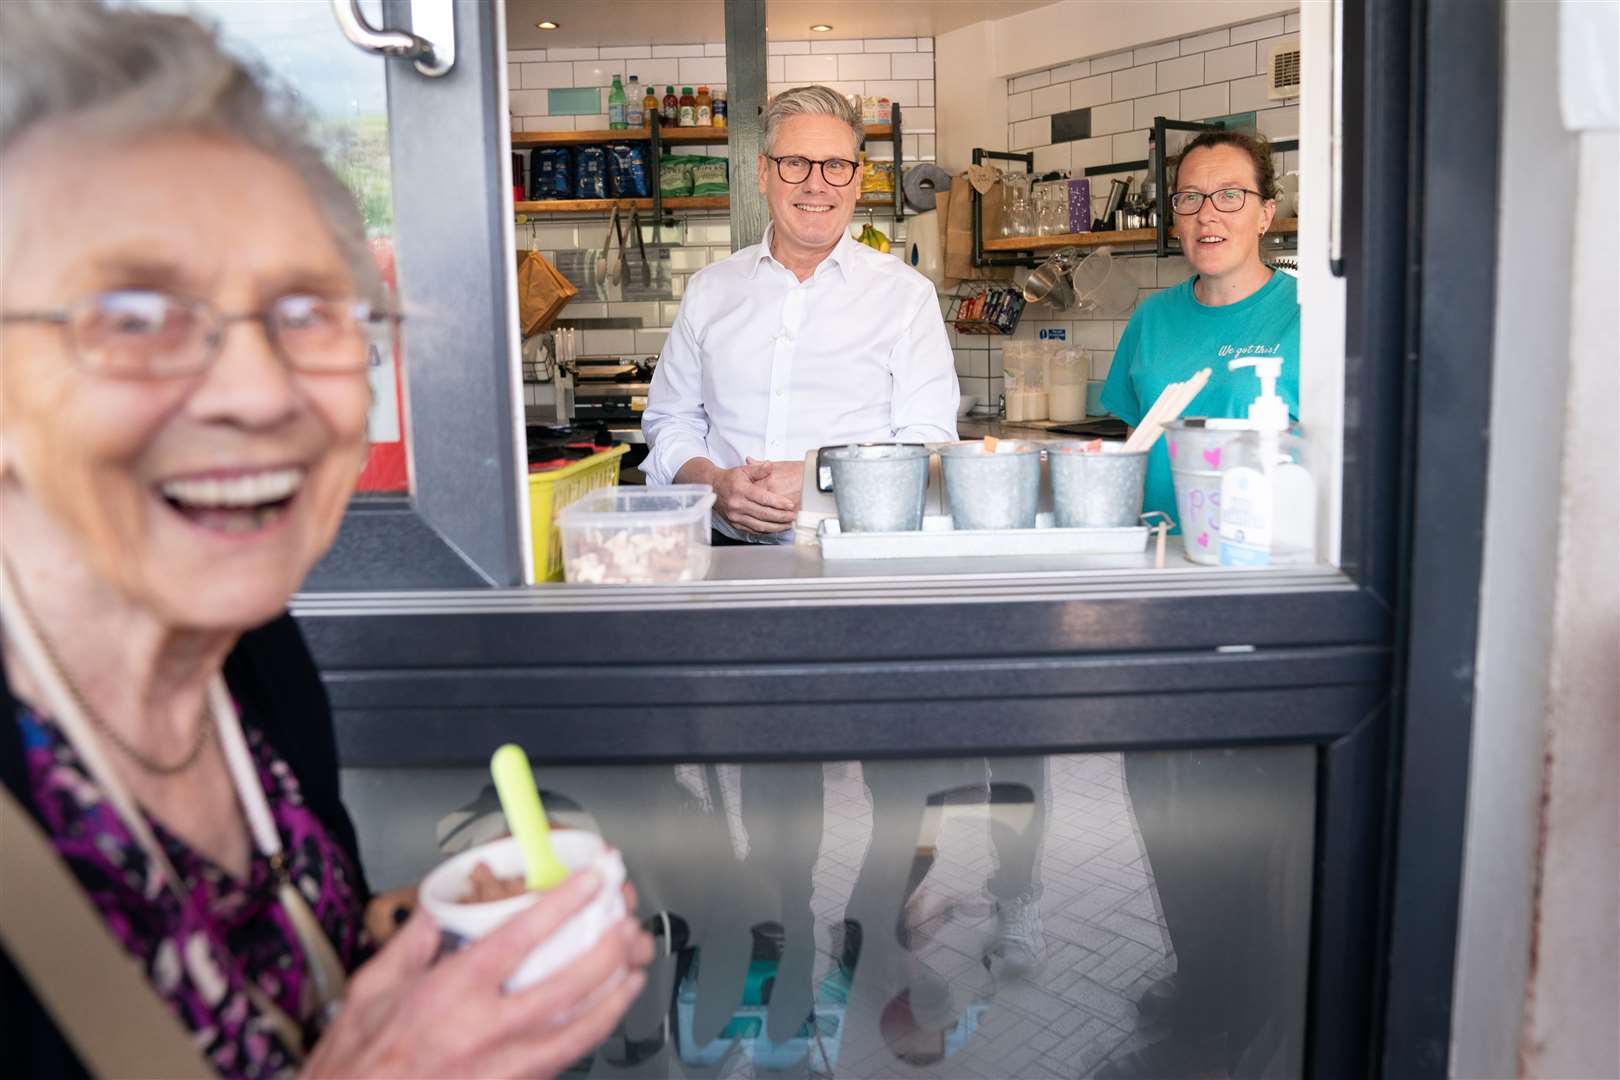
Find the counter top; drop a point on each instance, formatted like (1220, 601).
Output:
(978, 426)
(777, 562)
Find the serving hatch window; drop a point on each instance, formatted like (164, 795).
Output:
(1047, 478)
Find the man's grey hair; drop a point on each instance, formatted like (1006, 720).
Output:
(811, 101)
(123, 74)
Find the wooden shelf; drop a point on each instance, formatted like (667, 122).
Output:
(1098, 239)
(677, 202)
(670, 136)
(603, 206)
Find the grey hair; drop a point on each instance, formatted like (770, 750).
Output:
(811, 101)
(125, 74)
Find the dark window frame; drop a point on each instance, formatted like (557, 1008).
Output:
(1363, 664)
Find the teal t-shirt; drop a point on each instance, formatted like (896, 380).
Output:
(1172, 336)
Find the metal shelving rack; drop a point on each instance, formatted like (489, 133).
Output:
(658, 137)
(1029, 250)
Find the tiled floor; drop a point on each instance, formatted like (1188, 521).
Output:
(1104, 939)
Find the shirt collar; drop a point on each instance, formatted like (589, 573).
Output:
(842, 255)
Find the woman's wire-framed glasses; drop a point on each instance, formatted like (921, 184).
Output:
(1227, 200)
(148, 334)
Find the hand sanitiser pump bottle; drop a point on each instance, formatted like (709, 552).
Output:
(1268, 498)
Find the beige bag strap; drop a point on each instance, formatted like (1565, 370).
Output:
(96, 991)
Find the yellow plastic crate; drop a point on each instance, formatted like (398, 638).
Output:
(550, 491)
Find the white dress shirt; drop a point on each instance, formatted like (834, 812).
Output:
(760, 364)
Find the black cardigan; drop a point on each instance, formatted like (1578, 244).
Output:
(273, 679)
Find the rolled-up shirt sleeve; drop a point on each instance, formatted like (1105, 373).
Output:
(924, 371)
(675, 425)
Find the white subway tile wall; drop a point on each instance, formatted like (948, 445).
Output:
(901, 69)
(1206, 75)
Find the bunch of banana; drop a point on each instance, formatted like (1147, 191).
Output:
(873, 238)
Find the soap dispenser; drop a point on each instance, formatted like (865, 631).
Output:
(1268, 497)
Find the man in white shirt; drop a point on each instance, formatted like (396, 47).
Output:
(806, 339)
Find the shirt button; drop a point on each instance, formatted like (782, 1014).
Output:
(779, 393)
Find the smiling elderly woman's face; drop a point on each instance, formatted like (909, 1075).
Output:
(203, 497)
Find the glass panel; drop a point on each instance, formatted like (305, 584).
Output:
(345, 93)
(343, 88)
(1144, 914)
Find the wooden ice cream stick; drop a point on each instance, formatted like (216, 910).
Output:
(1160, 522)
(990, 444)
(1170, 405)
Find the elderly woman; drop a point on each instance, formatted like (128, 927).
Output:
(183, 402)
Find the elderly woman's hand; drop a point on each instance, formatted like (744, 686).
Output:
(407, 1016)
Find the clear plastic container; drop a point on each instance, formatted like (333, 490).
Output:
(637, 535)
(1071, 370)
(1025, 366)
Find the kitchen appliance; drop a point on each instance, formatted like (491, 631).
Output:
(562, 387)
(1117, 188)
(610, 388)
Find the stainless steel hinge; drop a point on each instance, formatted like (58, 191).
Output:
(430, 42)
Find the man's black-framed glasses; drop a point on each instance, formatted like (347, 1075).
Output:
(793, 169)
(148, 334)
(1227, 200)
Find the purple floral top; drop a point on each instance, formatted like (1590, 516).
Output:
(200, 955)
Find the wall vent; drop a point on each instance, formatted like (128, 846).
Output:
(1282, 71)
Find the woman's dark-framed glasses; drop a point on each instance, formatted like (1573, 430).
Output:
(793, 169)
(147, 334)
(1227, 200)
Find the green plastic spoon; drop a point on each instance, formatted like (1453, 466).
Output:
(520, 801)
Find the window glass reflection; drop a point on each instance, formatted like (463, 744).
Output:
(344, 95)
(1144, 914)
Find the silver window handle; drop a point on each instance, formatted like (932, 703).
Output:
(430, 43)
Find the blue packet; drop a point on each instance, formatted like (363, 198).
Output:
(590, 181)
(627, 172)
(551, 173)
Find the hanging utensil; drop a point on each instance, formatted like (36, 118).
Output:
(641, 249)
(1049, 284)
(607, 244)
(616, 271)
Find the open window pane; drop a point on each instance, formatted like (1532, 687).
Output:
(1085, 107)
(344, 93)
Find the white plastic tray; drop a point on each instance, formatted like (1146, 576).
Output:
(938, 539)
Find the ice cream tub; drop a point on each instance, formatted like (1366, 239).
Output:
(1096, 489)
(992, 489)
(444, 894)
(879, 487)
(1197, 457)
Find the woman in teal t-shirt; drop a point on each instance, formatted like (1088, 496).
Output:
(1223, 198)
